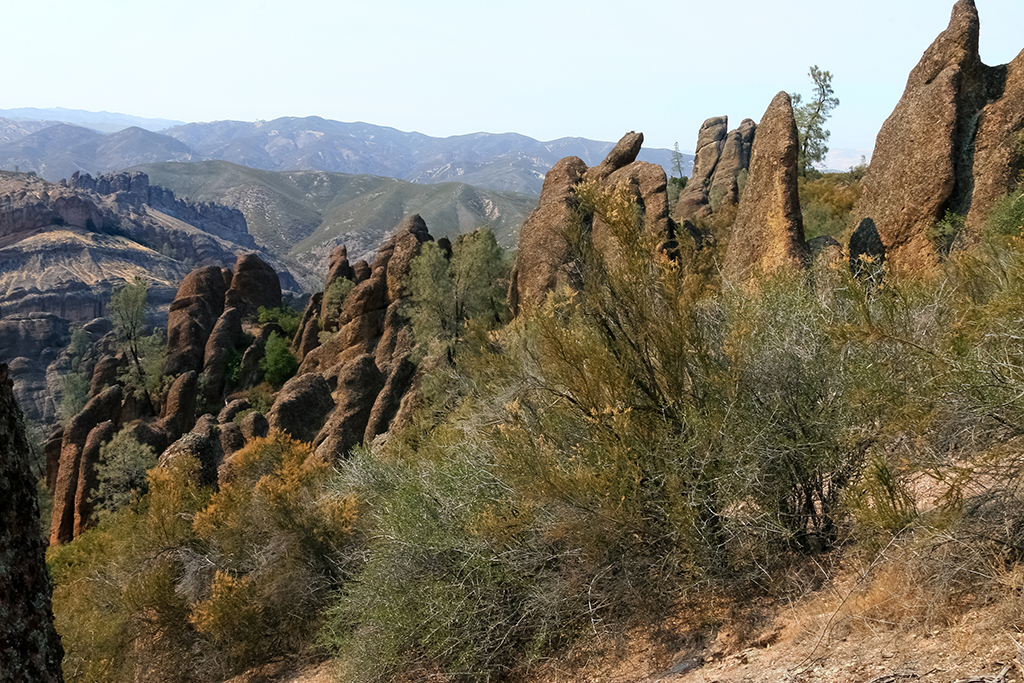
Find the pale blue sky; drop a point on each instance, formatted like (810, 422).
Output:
(544, 68)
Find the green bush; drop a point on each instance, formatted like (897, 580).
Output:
(287, 318)
(121, 471)
(278, 363)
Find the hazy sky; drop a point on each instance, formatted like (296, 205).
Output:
(544, 68)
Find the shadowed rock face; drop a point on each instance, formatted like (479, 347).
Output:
(192, 316)
(948, 145)
(30, 649)
(768, 232)
(71, 501)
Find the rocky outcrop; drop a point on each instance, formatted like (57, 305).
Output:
(768, 232)
(196, 307)
(224, 340)
(134, 187)
(373, 341)
(203, 444)
(301, 406)
(253, 285)
(547, 258)
(179, 412)
(30, 649)
(66, 500)
(950, 145)
(358, 385)
(720, 160)
(87, 479)
(998, 148)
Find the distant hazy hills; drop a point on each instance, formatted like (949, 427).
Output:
(103, 121)
(506, 162)
(302, 215)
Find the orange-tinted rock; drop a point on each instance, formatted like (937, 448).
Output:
(998, 148)
(104, 406)
(87, 479)
(768, 232)
(358, 385)
(948, 146)
(301, 406)
(180, 409)
(224, 339)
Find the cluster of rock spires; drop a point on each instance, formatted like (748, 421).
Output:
(349, 389)
(955, 142)
(722, 156)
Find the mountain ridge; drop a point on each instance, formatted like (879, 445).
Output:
(496, 161)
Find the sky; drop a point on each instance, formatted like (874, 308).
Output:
(543, 68)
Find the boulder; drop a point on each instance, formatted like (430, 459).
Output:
(308, 336)
(228, 412)
(301, 406)
(104, 406)
(30, 649)
(359, 383)
(151, 434)
(254, 284)
(623, 154)
(105, 373)
(737, 149)
(254, 426)
(191, 318)
(390, 398)
(231, 441)
(768, 232)
(202, 443)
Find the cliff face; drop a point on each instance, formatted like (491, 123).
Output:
(30, 649)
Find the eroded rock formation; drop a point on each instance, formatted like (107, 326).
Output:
(717, 167)
(951, 144)
(546, 257)
(768, 232)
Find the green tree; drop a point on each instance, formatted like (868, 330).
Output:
(127, 311)
(446, 293)
(811, 118)
(122, 471)
(278, 363)
(677, 161)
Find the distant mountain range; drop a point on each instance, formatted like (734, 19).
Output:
(504, 162)
(102, 121)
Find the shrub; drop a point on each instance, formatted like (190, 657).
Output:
(278, 363)
(334, 299)
(288, 318)
(121, 471)
(74, 393)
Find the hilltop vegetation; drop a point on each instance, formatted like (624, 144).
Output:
(303, 215)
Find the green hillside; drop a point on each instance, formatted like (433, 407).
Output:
(302, 215)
